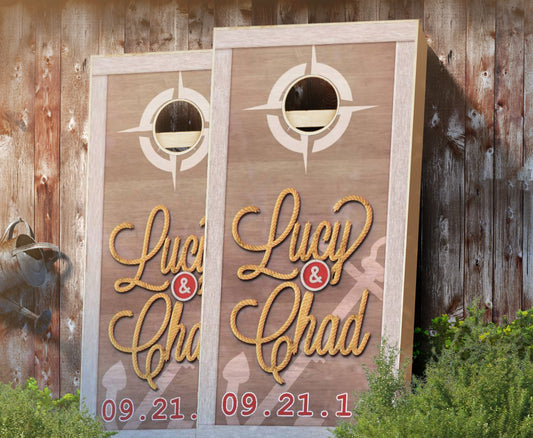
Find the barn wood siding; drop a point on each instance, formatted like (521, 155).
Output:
(476, 205)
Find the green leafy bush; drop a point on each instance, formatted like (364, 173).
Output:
(479, 384)
(29, 412)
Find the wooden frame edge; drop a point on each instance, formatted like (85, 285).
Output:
(415, 182)
(93, 246)
(215, 211)
(191, 60)
(322, 33)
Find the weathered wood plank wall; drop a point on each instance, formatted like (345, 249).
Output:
(477, 209)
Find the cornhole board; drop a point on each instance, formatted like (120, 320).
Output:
(149, 124)
(312, 221)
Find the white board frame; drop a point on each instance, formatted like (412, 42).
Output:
(404, 191)
(101, 68)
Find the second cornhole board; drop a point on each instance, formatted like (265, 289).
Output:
(146, 203)
(312, 221)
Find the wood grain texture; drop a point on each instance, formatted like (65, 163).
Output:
(263, 12)
(17, 173)
(527, 288)
(362, 10)
(78, 18)
(145, 63)
(127, 23)
(111, 29)
(442, 272)
(169, 25)
(332, 12)
(409, 9)
(215, 211)
(201, 23)
(479, 153)
(47, 169)
(231, 13)
(398, 202)
(508, 157)
(96, 160)
(387, 9)
(291, 11)
(296, 35)
(137, 26)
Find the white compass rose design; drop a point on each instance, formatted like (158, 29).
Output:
(169, 162)
(306, 142)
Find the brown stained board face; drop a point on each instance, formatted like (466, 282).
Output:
(47, 165)
(77, 18)
(17, 175)
(259, 169)
(133, 188)
(479, 147)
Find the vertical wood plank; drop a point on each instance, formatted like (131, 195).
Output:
(229, 13)
(263, 12)
(508, 156)
(112, 24)
(409, 10)
(169, 25)
(47, 218)
(440, 285)
(387, 9)
(16, 173)
(137, 27)
(201, 23)
(330, 12)
(527, 294)
(479, 152)
(292, 12)
(79, 39)
(362, 10)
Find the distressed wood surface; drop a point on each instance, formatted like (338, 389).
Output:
(47, 217)
(229, 13)
(508, 157)
(137, 26)
(527, 287)
(78, 18)
(111, 34)
(201, 23)
(17, 173)
(479, 153)
(169, 23)
(477, 206)
(442, 252)
(291, 12)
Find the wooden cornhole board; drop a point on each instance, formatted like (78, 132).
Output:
(145, 227)
(312, 223)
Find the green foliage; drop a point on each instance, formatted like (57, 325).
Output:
(479, 384)
(29, 412)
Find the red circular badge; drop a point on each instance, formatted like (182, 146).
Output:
(184, 286)
(315, 275)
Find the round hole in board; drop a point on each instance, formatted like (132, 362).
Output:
(178, 126)
(310, 104)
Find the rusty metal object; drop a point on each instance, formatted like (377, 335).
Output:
(23, 263)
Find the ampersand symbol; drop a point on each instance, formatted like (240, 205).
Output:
(183, 287)
(314, 277)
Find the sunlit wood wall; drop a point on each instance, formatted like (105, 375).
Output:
(476, 216)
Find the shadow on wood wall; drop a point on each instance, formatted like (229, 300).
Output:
(476, 203)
